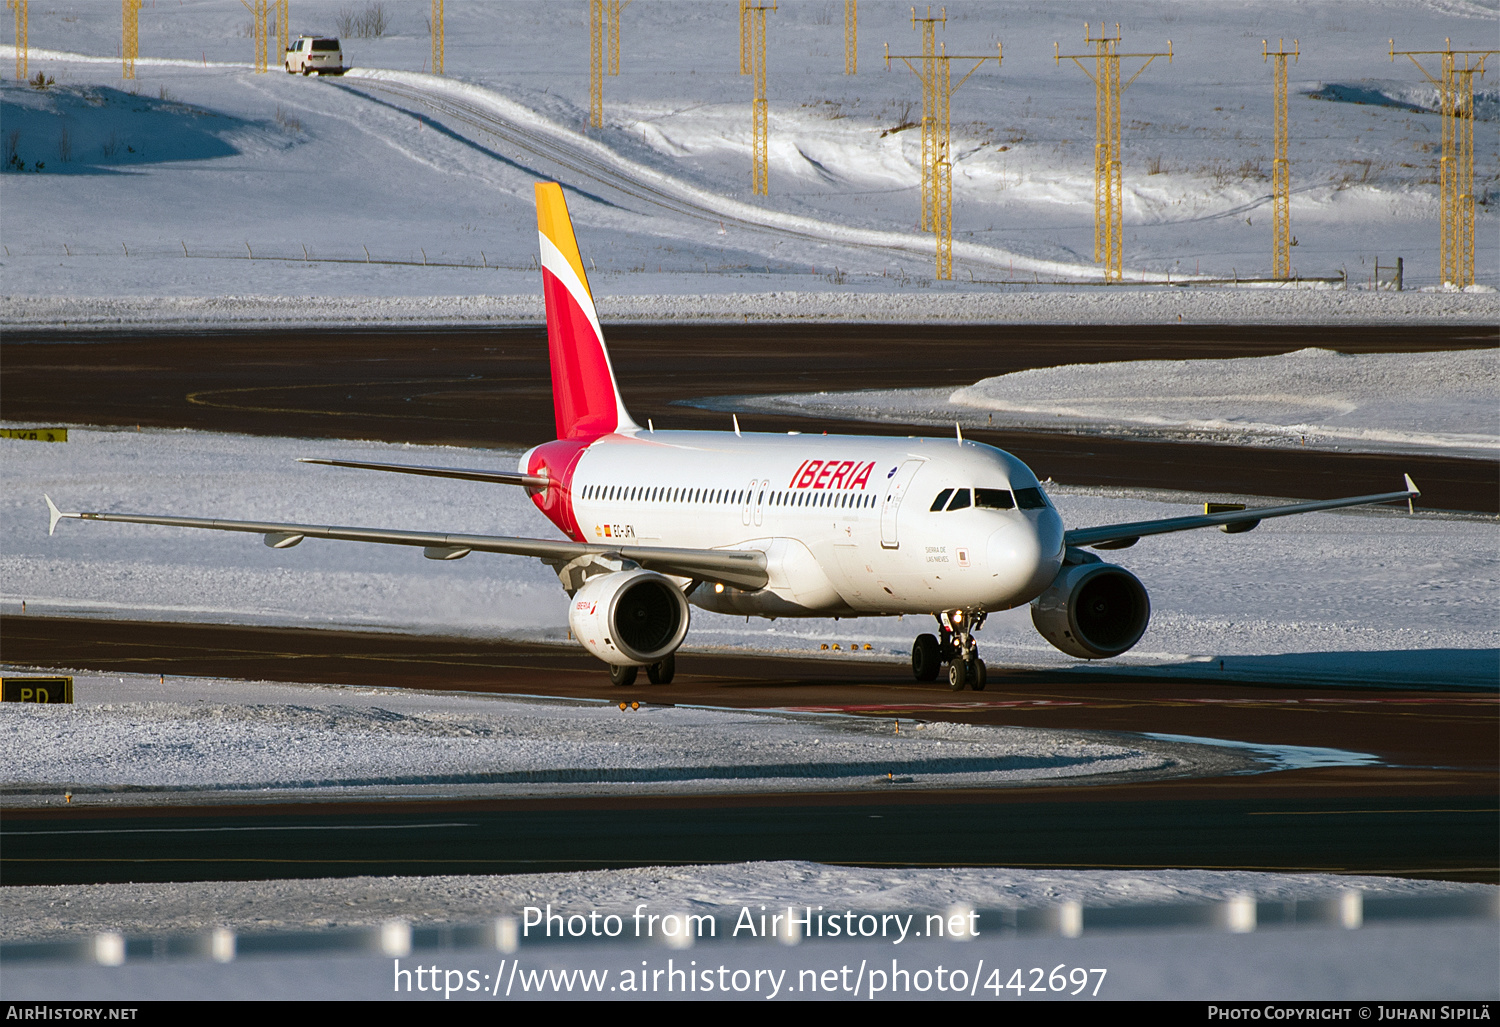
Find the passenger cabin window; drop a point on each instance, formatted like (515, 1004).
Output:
(994, 499)
(1031, 499)
(942, 499)
(960, 500)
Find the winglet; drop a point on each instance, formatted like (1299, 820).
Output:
(54, 514)
(1411, 487)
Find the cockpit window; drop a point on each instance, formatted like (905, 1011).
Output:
(960, 500)
(1031, 499)
(994, 499)
(942, 499)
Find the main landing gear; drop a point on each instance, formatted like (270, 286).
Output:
(954, 645)
(660, 673)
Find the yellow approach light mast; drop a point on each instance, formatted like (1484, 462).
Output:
(23, 46)
(760, 172)
(439, 38)
(937, 172)
(596, 63)
(744, 37)
(130, 36)
(604, 35)
(259, 14)
(851, 37)
(1281, 168)
(283, 28)
(616, 8)
(1109, 231)
(1456, 169)
(927, 74)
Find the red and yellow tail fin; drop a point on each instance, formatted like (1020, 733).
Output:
(585, 398)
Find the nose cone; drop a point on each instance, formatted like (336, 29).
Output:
(1025, 555)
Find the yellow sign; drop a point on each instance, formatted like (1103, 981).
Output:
(45, 690)
(35, 434)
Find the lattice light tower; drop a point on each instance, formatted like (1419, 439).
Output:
(130, 36)
(937, 93)
(597, 30)
(616, 8)
(744, 37)
(1109, 229)
(260, 13)
(1456, 169)
(439, 38)
(283, 28)
(760, 172)
(1281, 168)
(851, 37)
(23, 45)
(926, 74)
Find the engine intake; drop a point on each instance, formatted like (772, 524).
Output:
(1092, 610)
(629, 618)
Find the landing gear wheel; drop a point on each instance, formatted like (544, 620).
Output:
(976, 674)
(926, 658)
(662, 673)
(622, 675)
(956, 676)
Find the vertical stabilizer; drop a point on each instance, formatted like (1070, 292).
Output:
(585, 398)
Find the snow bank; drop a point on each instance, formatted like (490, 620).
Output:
(1025, 306)
(206, 740)
(1446, 403)
(40, 912)
(1433, 401)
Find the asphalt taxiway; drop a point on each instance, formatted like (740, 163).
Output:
(492, 387)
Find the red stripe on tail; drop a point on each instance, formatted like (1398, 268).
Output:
(583, 390)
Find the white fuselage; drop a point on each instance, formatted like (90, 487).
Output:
(846, 522)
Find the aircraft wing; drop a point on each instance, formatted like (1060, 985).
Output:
(740, 568)
(1119, 536)
(497, 477)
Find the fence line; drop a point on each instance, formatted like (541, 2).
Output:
(835, 275)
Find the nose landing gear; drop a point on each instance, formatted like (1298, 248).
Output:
(954, 645)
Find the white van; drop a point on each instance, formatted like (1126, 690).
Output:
(314, 53)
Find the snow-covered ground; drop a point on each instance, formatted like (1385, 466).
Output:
(134, 739)
(1167, 934)
(367, 901)
(1360, 596)
(200, 178)
(81, 316)
(1445, 403)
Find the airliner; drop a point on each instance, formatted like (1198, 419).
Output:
(776, 525)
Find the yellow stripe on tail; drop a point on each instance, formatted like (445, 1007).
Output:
(553, 222)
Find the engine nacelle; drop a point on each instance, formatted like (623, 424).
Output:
(1092, 610)
(629, 618)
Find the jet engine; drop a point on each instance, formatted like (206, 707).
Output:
(1092, 610)
(629, 618)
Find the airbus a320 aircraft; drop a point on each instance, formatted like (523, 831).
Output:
(776, 525)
